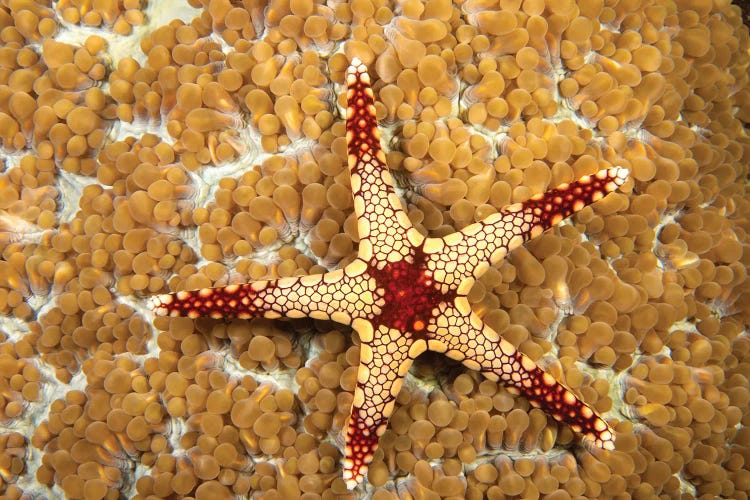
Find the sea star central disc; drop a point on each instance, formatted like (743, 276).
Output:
(410, 295)
(406, 293)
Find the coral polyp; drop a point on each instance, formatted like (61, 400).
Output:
(511, 237)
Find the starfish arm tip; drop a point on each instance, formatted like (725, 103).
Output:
(620, 175)
(604, 440)
(351, 478)
(158, 304)
(356, 69)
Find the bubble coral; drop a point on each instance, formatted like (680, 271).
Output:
(151, 147)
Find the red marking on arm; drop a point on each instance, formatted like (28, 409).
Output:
(361, 123)
(556, 400)
(557, 204)
(234, 301)
(361, 443)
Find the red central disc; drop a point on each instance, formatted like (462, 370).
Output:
(410, 295)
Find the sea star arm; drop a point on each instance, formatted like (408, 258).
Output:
(480, 348)
(470, 252)
(385, 356)
(382, 223)
(336, 295)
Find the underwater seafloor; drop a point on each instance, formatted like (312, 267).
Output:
(169, 145)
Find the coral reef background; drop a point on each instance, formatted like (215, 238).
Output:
(168, 145)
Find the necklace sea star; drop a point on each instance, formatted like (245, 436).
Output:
(405, 294)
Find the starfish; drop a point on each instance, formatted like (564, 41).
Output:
(406, 293)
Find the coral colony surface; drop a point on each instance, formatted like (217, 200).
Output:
(153, 151)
